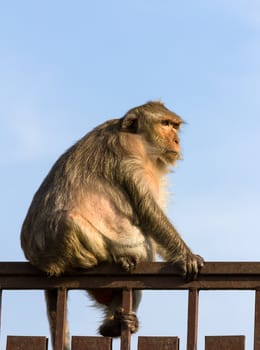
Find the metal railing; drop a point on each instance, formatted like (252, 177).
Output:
(156, 276)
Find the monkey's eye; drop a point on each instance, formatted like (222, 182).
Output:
(167, 122)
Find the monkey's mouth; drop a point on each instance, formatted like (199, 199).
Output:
(173, 153)
(172, 156)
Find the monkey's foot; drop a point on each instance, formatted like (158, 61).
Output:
(128, 263)
(113, 326)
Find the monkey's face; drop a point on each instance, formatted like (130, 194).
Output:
(158, 127)
(167, 136)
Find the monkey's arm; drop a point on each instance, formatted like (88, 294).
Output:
(154, 222)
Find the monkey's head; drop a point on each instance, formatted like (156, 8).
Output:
(159, 128)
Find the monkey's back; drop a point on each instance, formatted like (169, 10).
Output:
(79, 216)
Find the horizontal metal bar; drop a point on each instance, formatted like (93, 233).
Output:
(150, 268)
(143, 282)
(214, 275)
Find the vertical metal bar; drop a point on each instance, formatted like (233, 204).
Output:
(61, 319)
(0, 310)
(192, 332)
(257, 321)
(127, 304)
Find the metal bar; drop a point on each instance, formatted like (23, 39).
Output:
(240, 276)
(26, 343)
(127, 303)
(0, 310)
(214, 276)
(158, 343)
(257, 321)
(91, 343)
(225, 343)
(192, 331)
(152, 268)
(61, 319)
(221, 282)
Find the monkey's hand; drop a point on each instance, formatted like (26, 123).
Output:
(190, 266)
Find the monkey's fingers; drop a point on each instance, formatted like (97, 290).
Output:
(130, 321)
(201, 261)
(127, 320)
(194, 264)
(191, 273)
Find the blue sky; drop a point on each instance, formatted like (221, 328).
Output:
(65, 67)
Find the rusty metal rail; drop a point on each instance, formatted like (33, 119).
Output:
(160, 276)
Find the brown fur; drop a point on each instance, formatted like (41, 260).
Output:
(102, 202)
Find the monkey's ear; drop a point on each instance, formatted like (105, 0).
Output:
(130, 122)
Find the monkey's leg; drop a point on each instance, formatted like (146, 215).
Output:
(51, 297)
(115, 317)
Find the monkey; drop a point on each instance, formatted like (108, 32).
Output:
(102, 201)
